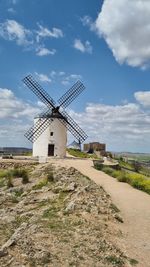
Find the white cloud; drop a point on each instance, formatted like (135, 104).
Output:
(125, 127)
(87, 21)
(14, 108)
(64, 78)
(83, 47)
(43, 77)
(11, 10)
(70, 78)
(125, 25)
(43, 51)
(14, 2)
(11, 30)
(45, 32)
(61, 73)
(53, 73)
(122, 127)
(143, 98)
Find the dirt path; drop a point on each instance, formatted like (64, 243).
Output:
(133, 204)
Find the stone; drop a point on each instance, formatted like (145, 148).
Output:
(70, 207)
(3, 252)
(71, 187)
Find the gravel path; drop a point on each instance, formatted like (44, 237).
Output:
(133, 204)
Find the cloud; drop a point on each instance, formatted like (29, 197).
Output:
(64, 78)
(71, 78)
(83, 47)
(87, 21)
(14, 2)
(14, 108)
(125, 26)
(123, 127)
(11, 30)
(43, 51)
(43, 77)
(44, 32)
(11, 10)
(143, 98)
(16, 117)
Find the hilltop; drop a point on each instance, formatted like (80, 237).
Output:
(59, 218)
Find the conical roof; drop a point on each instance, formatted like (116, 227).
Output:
(74, 145)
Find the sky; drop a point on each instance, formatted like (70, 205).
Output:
(105, 44)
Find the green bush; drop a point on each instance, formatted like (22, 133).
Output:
(3, 173)
(136, 180)
(20, 173)
(25, 177)
(108, 170)
(9, 180)
(50, 176)
(139, 181)
(98, 167)
(80, 154)
(41, 183)
(116, 173)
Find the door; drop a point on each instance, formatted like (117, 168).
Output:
(50, 150)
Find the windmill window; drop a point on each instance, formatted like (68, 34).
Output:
(51, 133)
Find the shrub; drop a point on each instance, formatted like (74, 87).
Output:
(50, 176)
(22, 173)
(108, 170)
(139, 181)
(9, 180)
(41, 183)
(3, 173)
(98, 166)
(25, 177)
(80, 154)
(136, 180)
(116, 174)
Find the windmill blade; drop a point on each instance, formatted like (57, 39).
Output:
(39, 91)
(38, 128)
(71, 94)
(73, 127)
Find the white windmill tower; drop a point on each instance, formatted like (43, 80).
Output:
(49, 132)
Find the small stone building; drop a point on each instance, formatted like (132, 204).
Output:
(95, 147)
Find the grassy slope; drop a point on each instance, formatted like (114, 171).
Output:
(136, 180)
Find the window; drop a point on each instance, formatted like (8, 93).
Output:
(51, 133)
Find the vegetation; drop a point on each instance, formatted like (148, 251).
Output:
(136, 180)
(9, 180)
(80, 154)
(40, 184)
(134, 166)
(8, 175)
(50, 176)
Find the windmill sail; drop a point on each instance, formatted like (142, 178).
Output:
(41, 125)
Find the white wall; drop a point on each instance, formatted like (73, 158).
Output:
(59, 139)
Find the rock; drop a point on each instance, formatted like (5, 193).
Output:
(15, 236)
(3, 252)
(71, 187)
(70, 207)
(118, 218)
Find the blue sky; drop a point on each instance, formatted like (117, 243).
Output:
(105, 44)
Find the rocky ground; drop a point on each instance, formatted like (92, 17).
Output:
(60, 218)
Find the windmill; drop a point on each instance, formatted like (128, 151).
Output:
(49, 132)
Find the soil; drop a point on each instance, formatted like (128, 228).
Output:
(60, 218)
(133, 204)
